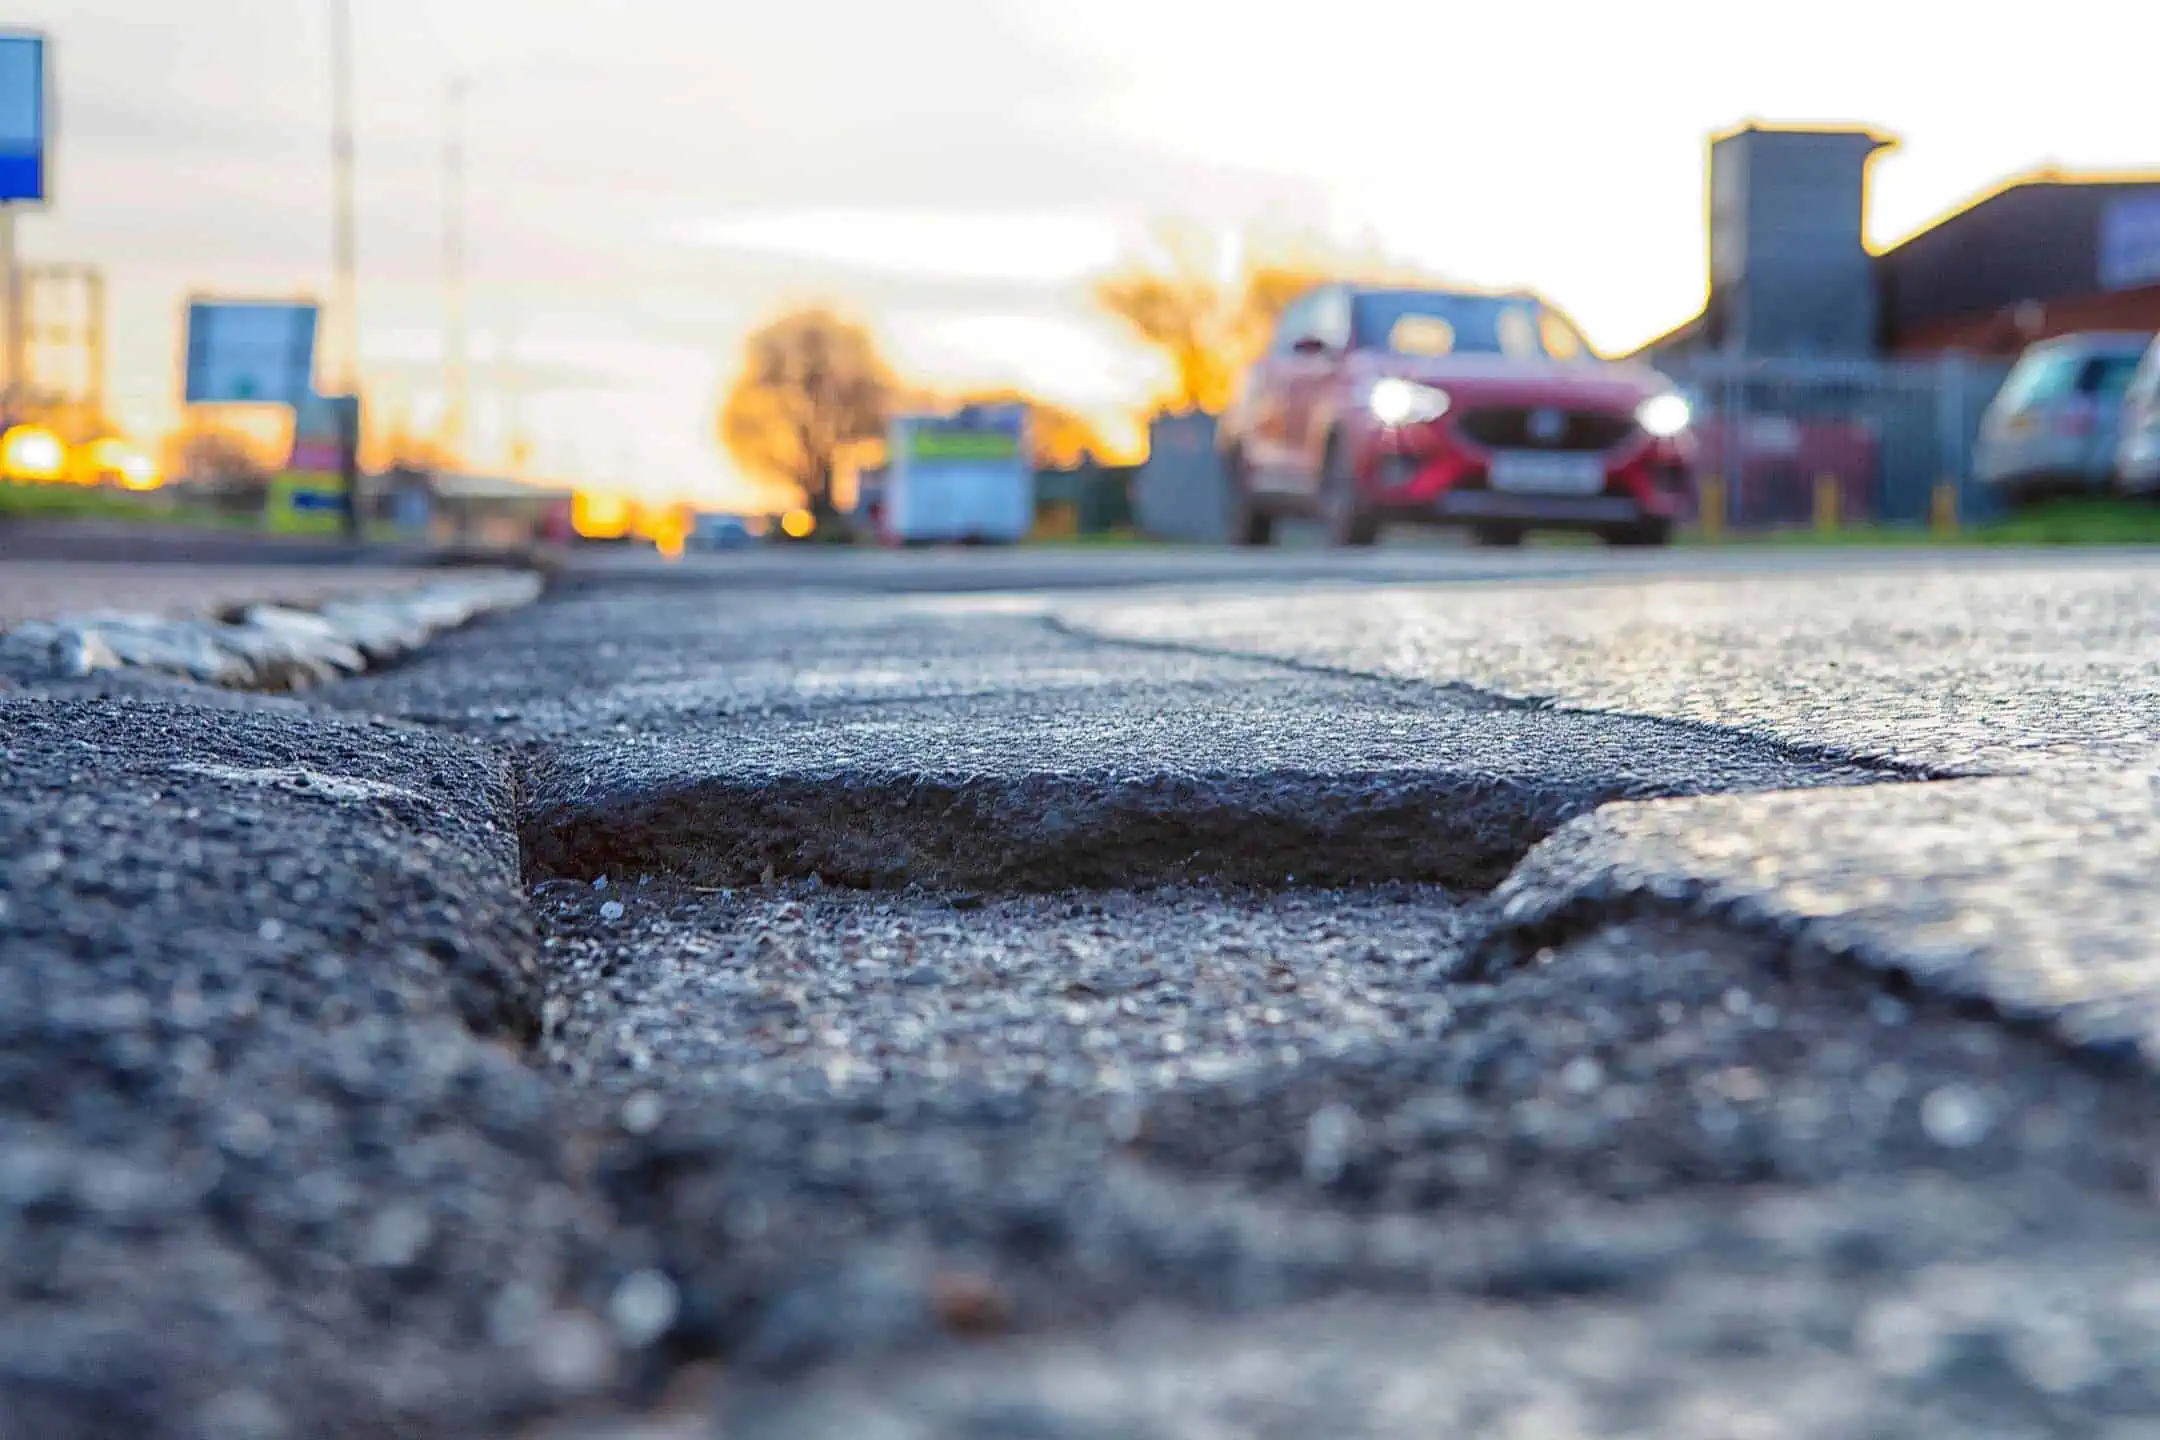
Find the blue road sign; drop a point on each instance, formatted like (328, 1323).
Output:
(23, 115)
(250, 352)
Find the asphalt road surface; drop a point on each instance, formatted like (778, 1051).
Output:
(1124, 993)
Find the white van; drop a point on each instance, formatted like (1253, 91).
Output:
(2137, 454)
(2052, 428)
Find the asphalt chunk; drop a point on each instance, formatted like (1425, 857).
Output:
(271, 1162)
(2028, 895)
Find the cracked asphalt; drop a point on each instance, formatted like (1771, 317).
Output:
(1051, 995)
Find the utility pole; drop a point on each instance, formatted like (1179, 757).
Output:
(11, 280)
(457, 364)
(513, 387)
(345, 258)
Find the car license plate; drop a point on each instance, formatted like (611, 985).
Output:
(1535, 474)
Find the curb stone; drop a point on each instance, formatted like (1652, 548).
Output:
(270, 647)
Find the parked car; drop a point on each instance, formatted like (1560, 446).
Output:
(720, 532)
(2137, 452)
(2053, 428)
(1377, 405)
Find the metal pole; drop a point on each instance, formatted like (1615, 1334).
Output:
(11, 280)
(513, 383)
(94, 345)
(456, 354)
(345, 254)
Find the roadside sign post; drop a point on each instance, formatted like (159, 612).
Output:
(262, 352)
(322, 470)
(349, 465)
(25, 113)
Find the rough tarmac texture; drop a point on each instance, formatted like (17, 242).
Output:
(2028, 889)
(851, 1126)
(1629, 1148)
(270, 1162)
(1986, 1346)
(2052, 664)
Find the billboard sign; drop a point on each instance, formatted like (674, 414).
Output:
(24, 114)
(2130, 242)
(250, 352)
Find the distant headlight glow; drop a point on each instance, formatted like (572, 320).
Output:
(1663, 415)
(1405, 402)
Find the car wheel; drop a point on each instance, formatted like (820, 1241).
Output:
(1497, 537)
(1349, 522)
(1251, 522)
(1643, 532)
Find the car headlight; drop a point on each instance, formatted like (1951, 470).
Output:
(1664, 415)
(1405, 402)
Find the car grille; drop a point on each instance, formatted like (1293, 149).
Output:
(1510, 428)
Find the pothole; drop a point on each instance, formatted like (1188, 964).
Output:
(1320, 786)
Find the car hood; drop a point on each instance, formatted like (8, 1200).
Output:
(1498, 379)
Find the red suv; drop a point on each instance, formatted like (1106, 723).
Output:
(1457, 408)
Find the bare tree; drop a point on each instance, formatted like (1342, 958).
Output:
(214, 456)
(813, 390)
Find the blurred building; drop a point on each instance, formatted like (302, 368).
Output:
(470, 509)
(2041, 256)
(1791, 276)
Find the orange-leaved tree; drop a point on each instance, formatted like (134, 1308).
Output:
(1211, 317)
(813, 393)
(1172, 298)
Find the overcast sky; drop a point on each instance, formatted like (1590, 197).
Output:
(651, 177)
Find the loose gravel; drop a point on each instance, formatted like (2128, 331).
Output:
(847, 1126)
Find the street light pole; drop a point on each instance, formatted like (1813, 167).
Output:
(456, 340)
(345, 258)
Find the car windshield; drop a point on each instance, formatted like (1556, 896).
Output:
(1428, 322)
(2108, 375)
(2055, 374)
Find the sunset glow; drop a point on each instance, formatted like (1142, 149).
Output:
(954, 173)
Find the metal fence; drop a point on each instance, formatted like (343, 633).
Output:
(1787, 442)
(1090, 499)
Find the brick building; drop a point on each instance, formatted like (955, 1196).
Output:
(1791, 275)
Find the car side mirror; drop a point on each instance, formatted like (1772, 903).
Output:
(1310, 345)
